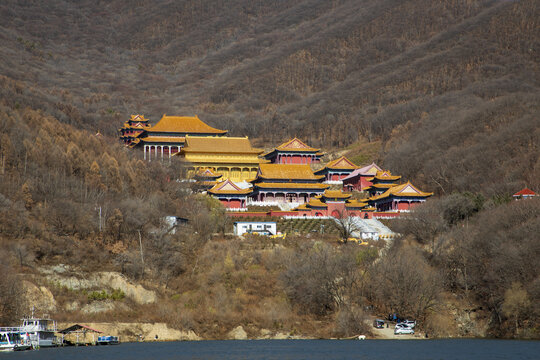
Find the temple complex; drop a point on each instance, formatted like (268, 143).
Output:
(167, 137)
(231, 157)
(287, 183)
(382, 181)
(133, 128)
(399, 198)
(335, 171)
(294, 152)
(358, 179)
(239, 175)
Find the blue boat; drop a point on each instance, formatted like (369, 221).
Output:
(108, 340)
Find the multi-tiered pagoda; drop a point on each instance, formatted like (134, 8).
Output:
(133, 128)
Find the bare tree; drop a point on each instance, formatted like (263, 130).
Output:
(346, 225)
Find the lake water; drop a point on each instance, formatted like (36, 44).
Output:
(297, 349)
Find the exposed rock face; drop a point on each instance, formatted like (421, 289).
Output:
(39, 297)
(238, 333)
(141, 331)
(63, 276)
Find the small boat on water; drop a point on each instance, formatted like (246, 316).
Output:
(12, 340)
(108, 340)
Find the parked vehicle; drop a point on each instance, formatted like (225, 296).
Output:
(358, 241)
(403, 329)
(378, 323)
(409, 323)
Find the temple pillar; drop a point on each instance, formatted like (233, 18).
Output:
(161, 152)
(144, 151)
(169, 151)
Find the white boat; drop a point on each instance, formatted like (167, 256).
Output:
(12, 340)
(40, 331)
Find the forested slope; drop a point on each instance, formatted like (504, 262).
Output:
(443, 81)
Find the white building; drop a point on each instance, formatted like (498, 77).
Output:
(260, 227)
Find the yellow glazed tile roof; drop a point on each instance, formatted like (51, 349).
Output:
(228, 187)
(341, 163)
(380, 186)
(336, 194)
(316, 203)
(138, 118)
(163, 139)
(184, 124)
(355, 204)
(405, 190)
(287, 172)
(384, 175)
(291, 185)
(295, 145)
(221, 145)
(205, 172)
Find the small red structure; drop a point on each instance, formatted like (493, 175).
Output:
(525, 193)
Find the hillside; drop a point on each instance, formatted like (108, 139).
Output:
(445, 93)
(437, 81)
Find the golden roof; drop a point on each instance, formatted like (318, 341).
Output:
(208, 173)
(163, 139)
(287, 172)
(341, 163)
(336, 194)
(316, 203)
(385, 176)
(228, 187)
(137, 118)
(221, 145)
(355, 204)
(380, 186)
(404, 190)
(291, 185)
(295, 145)
(184, 124)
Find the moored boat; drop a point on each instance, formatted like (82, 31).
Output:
(12, 340)
(41, 331)
(108, 340)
